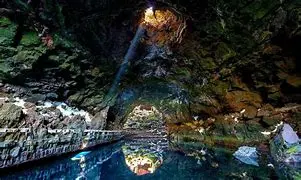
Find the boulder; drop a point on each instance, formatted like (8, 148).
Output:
(32, 116)
(29, 56)
(285, 147)
(271, 120)
(265, 111)
(15, 151)
(99, 120)
(77, 122)
(247, 155)
(289, 136)
(250, 112)
(52, 96)
(10, 115)
(238, 100)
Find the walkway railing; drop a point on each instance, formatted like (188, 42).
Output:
(21, 145)
(70, 169)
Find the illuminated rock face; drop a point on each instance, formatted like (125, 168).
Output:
(163, 27)
(144, 117)
(158, 18)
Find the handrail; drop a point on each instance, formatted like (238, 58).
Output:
(24, 130)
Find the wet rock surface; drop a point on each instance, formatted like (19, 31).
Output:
(224, 73)
(169, 100)
(247, 155)
(285, 147)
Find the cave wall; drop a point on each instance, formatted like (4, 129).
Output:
(235, 54)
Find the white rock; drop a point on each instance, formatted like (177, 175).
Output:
(266, 133)
(289, 135)
(66, 110)
(247, 155)
(19, 102)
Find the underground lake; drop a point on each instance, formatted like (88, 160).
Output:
(150, 89)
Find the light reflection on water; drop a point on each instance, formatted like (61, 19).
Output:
(144, 156)
(142, 159)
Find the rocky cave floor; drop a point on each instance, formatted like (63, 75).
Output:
(221, 73)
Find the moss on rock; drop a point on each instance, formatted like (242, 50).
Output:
(29, 56)
(259, 9)
(30, 39)
(208, 63)
(8, 30)
(224, 52)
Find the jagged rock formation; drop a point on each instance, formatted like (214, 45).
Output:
(231, 79)
(30, 131)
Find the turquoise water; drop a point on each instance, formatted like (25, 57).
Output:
(117, 161)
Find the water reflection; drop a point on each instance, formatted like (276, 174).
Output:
(144, 156)
(148, 160)
(84, 165)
